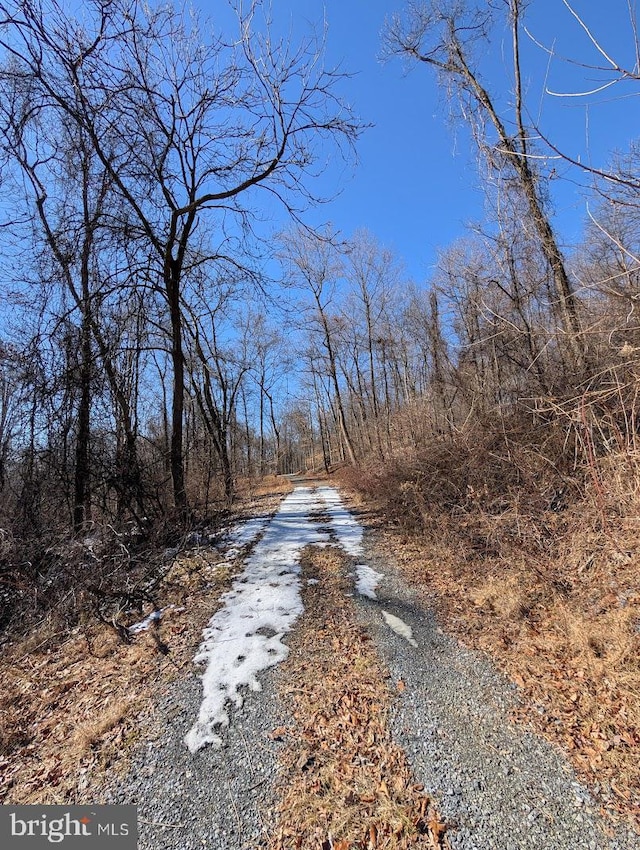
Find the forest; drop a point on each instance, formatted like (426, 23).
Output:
(161, 351)
(179, 336)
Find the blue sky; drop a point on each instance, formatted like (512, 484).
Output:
(415, 184)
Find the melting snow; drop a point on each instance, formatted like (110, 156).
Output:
(144, 624)
(243, 534)
(399, 627)
(245, 636)
(349, 533)
(348, 530)
(367, 580)
(246, 532)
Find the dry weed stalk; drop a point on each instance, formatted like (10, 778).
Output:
(72, 701)
(69, 709)
(563, 625)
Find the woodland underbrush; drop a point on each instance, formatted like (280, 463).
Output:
(54, 581)
(75, 681)
(72, 705)
(529, 546)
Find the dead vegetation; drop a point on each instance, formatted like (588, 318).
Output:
(268, 486)
(74, 700)
(539, 567)
(70, 709)
(344, 784)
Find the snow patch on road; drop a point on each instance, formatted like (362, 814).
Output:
(367, 580)
(347, 529)
(245, 636)
(399, 627)
(350, 533)
(243, 534)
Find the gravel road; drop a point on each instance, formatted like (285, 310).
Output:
(500, 786)
(219, 799)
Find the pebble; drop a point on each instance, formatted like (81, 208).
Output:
(500, 786)
(218, 799)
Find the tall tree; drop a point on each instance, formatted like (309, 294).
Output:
(372, 272)
(76, 224)
(313, 266)
(448, 35)
(185, 123)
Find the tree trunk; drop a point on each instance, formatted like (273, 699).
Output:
(342, 419)
(176, 459)
(82, 472)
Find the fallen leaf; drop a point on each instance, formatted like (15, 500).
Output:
(278, 733)
(437, 827)
(305, 761)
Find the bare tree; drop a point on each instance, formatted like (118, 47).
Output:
(12, 400)
(606, 70)
(217, 372)
(372, 272)
(447, 36)
(69, 192)
(186, 126)
(313, 266)
(271, 361)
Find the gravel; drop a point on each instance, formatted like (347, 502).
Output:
(221, 799)
(501, 786)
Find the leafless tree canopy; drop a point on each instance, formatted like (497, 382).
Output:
(150, 366)
(181, 129)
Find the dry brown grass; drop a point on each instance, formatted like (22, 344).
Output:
(555, 600)
(71, 712)
(71, 709)
(344, 784)
(72, 702)
(269, 485)
(548, 586)
(89, 733)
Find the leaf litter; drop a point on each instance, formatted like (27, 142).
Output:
(73, 704)
(344, 783)
(566, 634)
